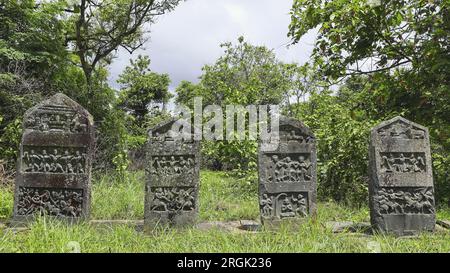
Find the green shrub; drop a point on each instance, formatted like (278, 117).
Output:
(342, 148)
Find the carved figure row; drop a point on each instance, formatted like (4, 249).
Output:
(287, 170)
(296, 136)
(403, 162)
(54, 202)
(283, 205)
(402, 130)
(69, 161)
(394, 201)
(173, 199)
(56, 121)
(172, 165)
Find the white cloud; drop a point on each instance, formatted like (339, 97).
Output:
(189, 37)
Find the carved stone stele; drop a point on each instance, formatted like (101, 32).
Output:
(172, 171)
(401, 191)
(287, 175)
(54, 164)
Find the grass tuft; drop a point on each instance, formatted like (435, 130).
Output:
(221, 198)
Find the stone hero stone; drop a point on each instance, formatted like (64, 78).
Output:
(401, 191)
(287, 175)
(54, 164)
(172, 171)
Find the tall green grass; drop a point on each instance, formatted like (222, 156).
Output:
(221, 198)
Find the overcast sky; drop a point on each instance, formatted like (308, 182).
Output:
(184, 40)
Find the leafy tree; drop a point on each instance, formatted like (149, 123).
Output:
(342, 148)
(402, 45)
(31, 54)
(394, 57)
(98, 28)
(245, 74)
(141, 88)
(302, 83)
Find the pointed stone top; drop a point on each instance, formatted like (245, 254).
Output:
(58, 113)
(162, 127)
(399, 120)
(399, 127)
(286, 122)
(60, 102)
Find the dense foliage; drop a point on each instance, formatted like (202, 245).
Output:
(66, 46)
(395, 59)
(244, 75)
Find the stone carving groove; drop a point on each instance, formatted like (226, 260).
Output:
(54, 202)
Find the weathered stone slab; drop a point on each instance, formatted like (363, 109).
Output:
(54, 164)
(401, 187)
(172, 168)
(287, 175)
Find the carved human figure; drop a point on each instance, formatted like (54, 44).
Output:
(190, 164)
(417, 134)
(70, 168)
(398, 131)
(77, 160)
(427, 201)
(32, 161)
(287, 166)
(304, 167)
(46, 161)
(287, 210)
(173, 166)
(383, 203)
(188, 200)
(387, 162)
(267, 205)
(418, 164)
(402, 166)
(160, 200)
(57, 166)
(273, 169)
(182, 167)
(292, 135)
(76, 126)
(44, 123)
(65, 159)
(301, 205)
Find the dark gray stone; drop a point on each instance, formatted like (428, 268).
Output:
(54, 164)
(401, 189)
(287, 175)
(172, 170)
